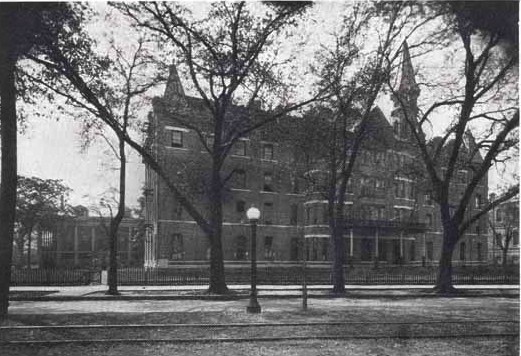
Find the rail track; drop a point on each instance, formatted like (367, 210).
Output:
(253, 332)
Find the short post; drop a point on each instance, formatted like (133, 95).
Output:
(253, 215)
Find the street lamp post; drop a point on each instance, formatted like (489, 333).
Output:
(253, 215)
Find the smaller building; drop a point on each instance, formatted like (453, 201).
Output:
(83, 242)
(504, 232)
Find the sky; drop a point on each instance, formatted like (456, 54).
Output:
(50, 148)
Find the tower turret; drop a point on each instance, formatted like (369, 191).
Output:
(174, 92)
(406, 97)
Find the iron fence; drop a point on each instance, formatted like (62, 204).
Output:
(273, 275)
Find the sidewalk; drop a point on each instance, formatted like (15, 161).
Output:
(97, 292)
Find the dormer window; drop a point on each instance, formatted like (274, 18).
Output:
(176, 138)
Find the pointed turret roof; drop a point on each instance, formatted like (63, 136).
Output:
(174, 89)
(407, 80)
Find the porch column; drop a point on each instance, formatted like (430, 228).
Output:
(76, 245)
(401, 247)
(376, 247)
(351, 243)
(93, 239)
(424, 257)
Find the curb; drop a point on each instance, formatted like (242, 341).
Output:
(124, 297)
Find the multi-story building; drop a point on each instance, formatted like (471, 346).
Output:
(503, 243)
(391, 217)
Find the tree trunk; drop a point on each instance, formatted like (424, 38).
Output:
(339, 284)
(8, 158)
(217, 277)
(444, 280)
(505, 255)
(116, 221)
(29, 242)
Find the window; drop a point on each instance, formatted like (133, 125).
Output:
(428, 220)
(239, 148)
(241, 253)
(478, 230)
(178, 212)
(269, 254)
(428, 198)
(176, 138)
(462, 176)
(367, 186)
(267, 151)
(325, 214)
(240, 206)
(325, 249)
(294, 255)
(396, 128)
(239, 180)
(209, 141)
(366, 249)
(365, 212)
(268, 213)
(268, 182)
(515, 239)
(411, 190)
(399, 189)
(397, 214)
(480, 251)
(412, 251)
(348, 211)
(462, 251)
(430, 250)
(350, 186)
(308, 215)
(499, 215)
(177, 247)
(499, 239)
(295, 188)
(379, 183)
(478, 200)
(293, 215)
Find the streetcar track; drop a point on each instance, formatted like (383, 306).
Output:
(250, 339)
(218, 325)
(339, 330)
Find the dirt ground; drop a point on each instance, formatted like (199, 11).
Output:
(380, 347)
(274, 310)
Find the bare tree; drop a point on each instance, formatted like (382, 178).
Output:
(354, 73)
(71, 63)
(482, 132)
(228, 62)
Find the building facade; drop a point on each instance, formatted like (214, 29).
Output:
(391, 217)
(504, 232)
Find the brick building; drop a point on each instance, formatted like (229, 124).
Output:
(391, 216)
(503, 244)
